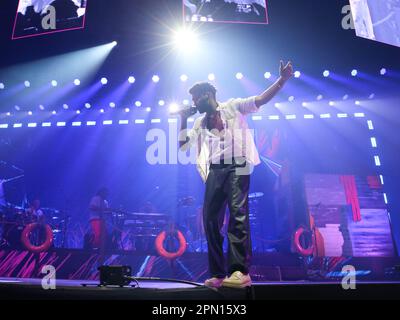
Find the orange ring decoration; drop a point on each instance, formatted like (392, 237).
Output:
(159, 243)
(300, 249)
(27, 243)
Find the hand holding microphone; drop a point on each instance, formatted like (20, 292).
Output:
(185, 112)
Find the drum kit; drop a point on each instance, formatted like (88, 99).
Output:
(13, 220)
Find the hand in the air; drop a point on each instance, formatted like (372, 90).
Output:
(286, 72)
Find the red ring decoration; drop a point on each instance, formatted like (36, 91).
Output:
(27, 243)
(303, 251)
(159, 243)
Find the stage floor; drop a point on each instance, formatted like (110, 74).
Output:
(31, 289)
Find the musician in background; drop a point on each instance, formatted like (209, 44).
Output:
(34, 212)
(98, 207)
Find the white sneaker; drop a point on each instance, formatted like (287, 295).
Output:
(214, 282)
(237, 280)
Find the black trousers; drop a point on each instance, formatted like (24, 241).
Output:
(227, 185)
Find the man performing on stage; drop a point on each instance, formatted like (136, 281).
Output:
(224, 159)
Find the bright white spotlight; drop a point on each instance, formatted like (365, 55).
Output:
(297, 74)
(185, 40)
(331, 103)
(148, 109)
(114, 43)
(78, 111)
(2, 86)
(354, 72)
(41, 107)
(320, 97)
(77, 82)
(8, 114)
(326, 73)
(127, 110)
(155, 78)
(54, 83)
(291, 98)
(54, 112)
(173, 107)
(88, 105)
(357, 103)
(277, 105)
(345, 97)
(267, 75)
(184, 78)
(383, 71)
(65, 106)
(104, 81)
(161, 103)
(17, 108)
(112, 105)
(30, 113)
(304, 104)
(239, 76)
(27, 84)
(101, 110)
(138, 104)
(211, 77)
(131, 79)
(371, 96)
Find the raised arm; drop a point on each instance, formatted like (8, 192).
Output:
(285, 72)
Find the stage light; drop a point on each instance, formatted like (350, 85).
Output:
(127, 110)
(123, 121)
(77, 82)
(65, 106)
(354, 72)
(54, 83)
(320, 97)
(155, 79)
(304, 104)
(17, 108)
(27, 84)
(185, 40)
(32, 125)
(30, 113)
(91, 123)
(54, 112)
(161, 103)
(184, 78)
(370, 125)
(371, 96)
(138, 104)
(2, 86)
(112, 105)
(88, 105)
(78, 111)
(308, 116)
(373, 142)
(186, 102)
(377, 161)
(326, 73)
(267, 75)
(9, 114)
(345, 97)
(277, 105)
(131, 79)
(114, 43)
(291, 99)
(297, 74)
(107, 122)
(148, 109)
(357, 103)
(104, 81)
(173, 107)
(211, 77)
(383, 71)
(239, 76)
(101, 110)
(41, 107)
(331, 103)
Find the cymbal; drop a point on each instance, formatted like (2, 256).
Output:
(256, 195)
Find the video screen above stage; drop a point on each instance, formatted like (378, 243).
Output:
(233, 11)
(377, 20)
(38, 17)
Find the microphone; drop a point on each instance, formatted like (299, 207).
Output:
(190, 111)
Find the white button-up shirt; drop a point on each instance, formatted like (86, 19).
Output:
(235, 141)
